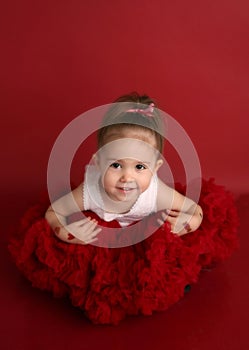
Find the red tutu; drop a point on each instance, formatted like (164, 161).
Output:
(110, 283)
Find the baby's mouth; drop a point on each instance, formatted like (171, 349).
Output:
(126, 189)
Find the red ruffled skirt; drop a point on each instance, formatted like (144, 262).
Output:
(110, 283)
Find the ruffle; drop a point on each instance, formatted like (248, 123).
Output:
(109, 283)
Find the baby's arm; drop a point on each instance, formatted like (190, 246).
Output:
(80, 232)
(182, 213)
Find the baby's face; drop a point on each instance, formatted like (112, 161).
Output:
(127, 166)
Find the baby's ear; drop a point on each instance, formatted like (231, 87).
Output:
(95, 160)
(159, 163)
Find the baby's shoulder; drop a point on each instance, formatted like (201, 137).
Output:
(165, 195)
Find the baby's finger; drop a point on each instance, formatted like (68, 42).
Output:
(92, 231)
(92, 236)
(160, 222)
(93, 240)
(173, 213)
(164, 216)
(95, 232)
(89, 227)
(178, 233)
(83, 221)
(171, 220)
(85, 242)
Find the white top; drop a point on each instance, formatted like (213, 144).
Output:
(145, 204)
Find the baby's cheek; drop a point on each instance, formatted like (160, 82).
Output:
(144, 184)
(106, 180)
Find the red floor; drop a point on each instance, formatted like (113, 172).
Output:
(213, 315)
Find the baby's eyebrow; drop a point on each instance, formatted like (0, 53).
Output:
(113, 160)
(143, 162)
(136, 160)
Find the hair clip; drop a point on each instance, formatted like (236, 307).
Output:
(147, 111)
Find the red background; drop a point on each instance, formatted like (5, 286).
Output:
(60, 58)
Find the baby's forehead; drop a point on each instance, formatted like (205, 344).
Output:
(125, 132)
(128, 148)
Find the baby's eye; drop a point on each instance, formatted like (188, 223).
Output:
(140, 167)
(115, 165)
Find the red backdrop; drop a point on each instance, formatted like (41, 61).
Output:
(60, 58)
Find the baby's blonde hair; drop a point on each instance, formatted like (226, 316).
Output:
(119, 117)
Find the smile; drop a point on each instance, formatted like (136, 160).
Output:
(126, 189)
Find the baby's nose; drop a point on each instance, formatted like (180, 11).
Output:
(127, 176)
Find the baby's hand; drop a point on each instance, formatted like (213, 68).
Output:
(83, 230)
(178, 220)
